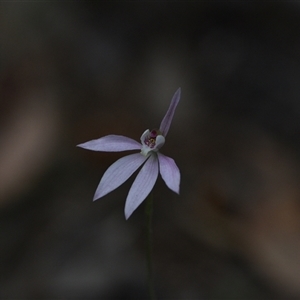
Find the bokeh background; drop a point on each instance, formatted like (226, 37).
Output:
(75, 71)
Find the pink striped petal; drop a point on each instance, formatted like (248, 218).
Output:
(169, 172)
(167, 120)
(142, 185)
(118, 173)
(111, 143)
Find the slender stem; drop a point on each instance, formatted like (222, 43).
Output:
(149, 246)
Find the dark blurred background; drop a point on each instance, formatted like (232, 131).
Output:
(75, 71)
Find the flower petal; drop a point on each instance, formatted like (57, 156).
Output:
(118, 173)
(160, 141)
(144, 135)
(169, 172)
(167, 120)
(142, 185)
(111, 143)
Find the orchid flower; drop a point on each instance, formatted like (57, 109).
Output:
(149, 156)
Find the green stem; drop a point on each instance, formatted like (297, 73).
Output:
(149, 247)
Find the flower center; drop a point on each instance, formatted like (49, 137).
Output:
(151, 141)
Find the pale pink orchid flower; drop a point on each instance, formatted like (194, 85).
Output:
(149, 156)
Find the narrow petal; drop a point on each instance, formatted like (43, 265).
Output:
(169, 172)
(118, 173)
(167, 120)
(111, 143)
(142, 185)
